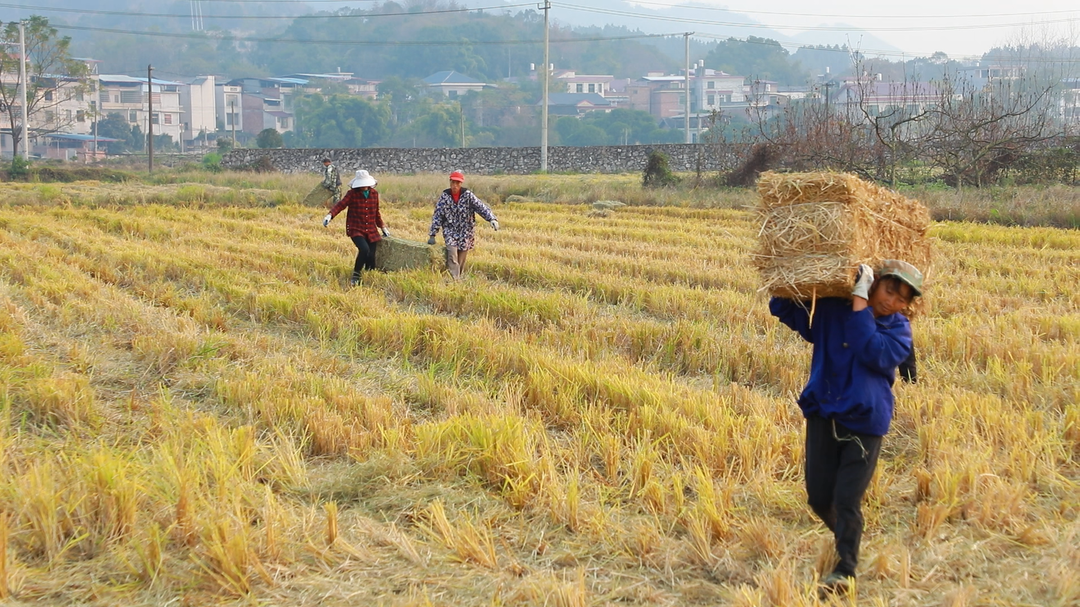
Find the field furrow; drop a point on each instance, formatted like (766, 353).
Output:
(198, 408)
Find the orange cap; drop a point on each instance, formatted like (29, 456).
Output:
(457, 176)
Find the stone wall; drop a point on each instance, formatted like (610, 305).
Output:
(488, 161)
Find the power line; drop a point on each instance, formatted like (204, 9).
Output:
(202, 36)
(83, 11)
(821, 28)
(850, 16)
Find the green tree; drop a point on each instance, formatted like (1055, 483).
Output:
(438, 127)
(757, 59)
(269, 138)
(53, 76)
(619, 126)
(402, 96)
(338, 121)
(114, 126)
(631, 127)
(165, 143)
(575, 132)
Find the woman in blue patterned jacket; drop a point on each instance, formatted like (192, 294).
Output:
(455, 213)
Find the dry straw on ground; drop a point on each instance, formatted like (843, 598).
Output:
(816, 228)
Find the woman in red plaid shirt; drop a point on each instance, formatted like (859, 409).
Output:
(363, 222)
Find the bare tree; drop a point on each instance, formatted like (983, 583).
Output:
(895, 114)
(53, 77)
(819, 132)
(976, 132)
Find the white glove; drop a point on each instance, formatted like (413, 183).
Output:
(326, 220)
(495, 225)
(386, 232)
(863, 280)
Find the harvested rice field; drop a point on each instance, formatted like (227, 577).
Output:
(197, 409)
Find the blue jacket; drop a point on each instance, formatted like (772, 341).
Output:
(854, 361)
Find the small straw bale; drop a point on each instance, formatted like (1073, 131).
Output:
(394, 254)
(816, 228)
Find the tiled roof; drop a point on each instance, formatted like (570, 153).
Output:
(450, 77)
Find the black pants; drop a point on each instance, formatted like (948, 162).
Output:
(365, 255)
(907, 369)
(839, 466)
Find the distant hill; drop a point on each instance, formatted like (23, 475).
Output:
(125, 14)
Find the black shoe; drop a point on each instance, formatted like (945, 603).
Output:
(355, 280)
(835, 584)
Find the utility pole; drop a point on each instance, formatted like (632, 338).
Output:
(686, 125)
(22, 85)
(150, 119)
(544, 109)
(827, 116)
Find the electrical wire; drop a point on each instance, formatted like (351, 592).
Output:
(850, 16)
(820, 28)
(203, 36)
(83, 11)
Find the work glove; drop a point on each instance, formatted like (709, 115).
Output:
(385, 232)
(431, 240)
(863, 280)
(326, 220)
(495, 225)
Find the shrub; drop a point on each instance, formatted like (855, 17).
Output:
(761, 158)
(269, 138)
(657, 172)
(20, 168)
(212, 162)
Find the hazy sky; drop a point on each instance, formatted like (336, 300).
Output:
(920, 27)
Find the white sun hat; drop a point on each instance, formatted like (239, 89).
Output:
(363, 179)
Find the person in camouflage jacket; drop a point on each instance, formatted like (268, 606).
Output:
(331, 180)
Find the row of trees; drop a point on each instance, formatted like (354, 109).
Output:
(506, 116)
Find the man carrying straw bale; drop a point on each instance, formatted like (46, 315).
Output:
(848, 400)
(820, 234)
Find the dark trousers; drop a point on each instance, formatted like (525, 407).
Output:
(907, 369)
(365, 255)
(839, 466)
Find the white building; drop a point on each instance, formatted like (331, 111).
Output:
(714, 89)
(229, 106)
(127, 96)
(198, 110)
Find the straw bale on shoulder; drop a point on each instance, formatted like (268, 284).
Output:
(816, 228)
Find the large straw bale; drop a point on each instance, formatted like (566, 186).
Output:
(816, 228)
(318, 197)
(394, 253)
